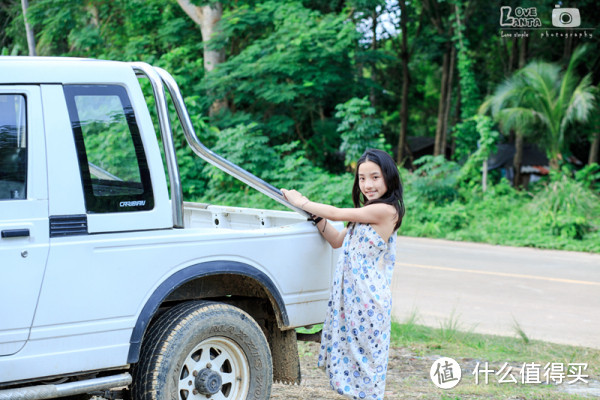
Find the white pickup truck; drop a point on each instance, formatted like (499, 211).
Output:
(107, 278)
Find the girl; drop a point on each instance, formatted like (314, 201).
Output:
(356, 333)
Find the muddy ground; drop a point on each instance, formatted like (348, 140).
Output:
(408, 378)
(402, 366)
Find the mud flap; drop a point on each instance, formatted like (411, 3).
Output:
(284, 351)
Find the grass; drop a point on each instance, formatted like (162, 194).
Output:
(469, 348)
(520, 332)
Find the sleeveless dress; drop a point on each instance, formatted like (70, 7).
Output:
(356, 332)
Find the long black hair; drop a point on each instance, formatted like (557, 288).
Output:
(393, 195)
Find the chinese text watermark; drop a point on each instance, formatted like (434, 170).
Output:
(533, 373)
(446, 373)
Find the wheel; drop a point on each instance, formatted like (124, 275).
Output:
(200, 350)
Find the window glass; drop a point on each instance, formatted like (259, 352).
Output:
(13, 147)
(110, 150)
(111, 155)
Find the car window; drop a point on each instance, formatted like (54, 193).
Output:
(13, 147)
(112, 161)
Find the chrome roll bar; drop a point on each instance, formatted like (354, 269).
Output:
(160, 78)
(145, 70)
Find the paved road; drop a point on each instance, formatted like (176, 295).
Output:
(552, 295)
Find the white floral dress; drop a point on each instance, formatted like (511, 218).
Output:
(356, 333)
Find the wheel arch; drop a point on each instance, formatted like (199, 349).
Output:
(195, 272)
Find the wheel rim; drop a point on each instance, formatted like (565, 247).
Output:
(220, 359)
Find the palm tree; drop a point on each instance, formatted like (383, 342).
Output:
(542, 98)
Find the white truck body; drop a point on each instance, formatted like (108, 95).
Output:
(80, 282)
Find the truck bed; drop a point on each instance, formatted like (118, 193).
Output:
(200, 215)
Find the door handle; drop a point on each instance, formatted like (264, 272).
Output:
(12, 233)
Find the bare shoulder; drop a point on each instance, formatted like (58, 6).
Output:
(386, 219)
(382, 209)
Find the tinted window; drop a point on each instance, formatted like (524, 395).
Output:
(13, 147)
(111, 156)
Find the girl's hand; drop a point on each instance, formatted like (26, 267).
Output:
(294, 197)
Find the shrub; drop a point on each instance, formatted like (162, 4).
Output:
(566, 206)
(435, 179)
(359, 129)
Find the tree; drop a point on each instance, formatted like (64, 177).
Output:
(28, 29)
(439, 15)
(405, 54)
(133, 30)
(542, 97)
(465, 132)
(291, 77)
(594, 135)
(207, 16)
(367, 15)
(593, 158)
(359, 129)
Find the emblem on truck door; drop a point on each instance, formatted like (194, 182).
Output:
(138, 203)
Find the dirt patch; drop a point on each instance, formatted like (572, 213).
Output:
(408, 379)
(402, 366)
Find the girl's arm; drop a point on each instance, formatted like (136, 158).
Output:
(374, 214)
(331, 234)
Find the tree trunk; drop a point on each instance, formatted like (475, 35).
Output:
(555, 163)
(405, 84)
(484, 175)
(208, 17)
(28, 29)
(523, 52)
(372, 95)
(94, 14)
(568, 49)
(444, 138)
(513, 56)
(457, 114)
(442, 103)
(593, 158)
(518, 159)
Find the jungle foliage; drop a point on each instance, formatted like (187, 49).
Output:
(305, 86)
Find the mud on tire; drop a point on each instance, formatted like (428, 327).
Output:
(201, 350)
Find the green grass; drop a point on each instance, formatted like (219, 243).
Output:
(468, 348)
(425, 340)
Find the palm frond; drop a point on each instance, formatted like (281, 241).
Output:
(569, 81)
(520, 119)
(581, 104)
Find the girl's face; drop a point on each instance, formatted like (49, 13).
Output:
(371, 181)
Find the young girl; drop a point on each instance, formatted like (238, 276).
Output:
(356, 333)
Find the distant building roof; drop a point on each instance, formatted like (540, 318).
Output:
(418, 143)
(532, 157)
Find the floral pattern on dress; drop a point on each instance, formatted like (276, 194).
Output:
(356, 332)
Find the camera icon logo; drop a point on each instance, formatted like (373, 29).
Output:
(566, 17)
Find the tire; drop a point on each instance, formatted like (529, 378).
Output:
(200, 350)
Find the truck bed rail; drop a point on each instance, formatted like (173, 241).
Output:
(160, 78)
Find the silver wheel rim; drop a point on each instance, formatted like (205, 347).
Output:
(222, 356)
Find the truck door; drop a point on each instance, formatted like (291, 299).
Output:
(24, 232)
